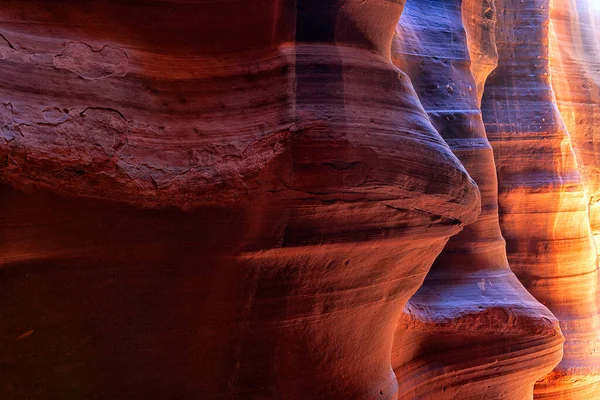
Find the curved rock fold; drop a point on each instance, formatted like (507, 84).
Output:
(308, 199)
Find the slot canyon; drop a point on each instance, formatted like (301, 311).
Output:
(300, 199)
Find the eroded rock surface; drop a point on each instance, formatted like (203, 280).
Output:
(471, 331)
(185, 217)
(543, 205)
(243, 199)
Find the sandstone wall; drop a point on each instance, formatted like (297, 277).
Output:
(274, 199)
(212, 199)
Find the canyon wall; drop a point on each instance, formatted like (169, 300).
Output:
(274, 199)
(471, 330)
(543, 207)
(574, 66)
(186, 217)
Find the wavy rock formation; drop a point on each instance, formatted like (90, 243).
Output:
(575, 66)
(543, 210)
(185, 217)
(471, 331)
(574, 69)
(247, 199)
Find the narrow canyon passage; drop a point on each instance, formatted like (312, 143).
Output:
(185, 217)
(472, 330)
(542, 197)
(299, 199)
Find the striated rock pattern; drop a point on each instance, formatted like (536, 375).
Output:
(471, 330)
(310, 199)
(574, 66)
(185, 217)
(543, 210)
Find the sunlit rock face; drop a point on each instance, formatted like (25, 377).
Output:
(575, 70)
(212, 199)
(471, 331)
(310, 199)
(542, 198)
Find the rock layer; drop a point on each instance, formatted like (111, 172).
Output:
(184, 217)
(574, 65)
(543, 210)
(471, 330)
(243, 199)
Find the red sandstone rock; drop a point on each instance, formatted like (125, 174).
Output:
(239, 199)
(471, 331)
(574, 65)
(574, 59)
(543, 210)
(212, 199)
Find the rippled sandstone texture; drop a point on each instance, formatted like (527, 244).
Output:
(575, 71)
(243, 199)
(574, 67)
(190, 217)
(471, 331)
(542, 197)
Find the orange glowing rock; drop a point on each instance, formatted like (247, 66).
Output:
(247, 199)
(471, 330)
(574, 69)
(543, 205)
(212, 200)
